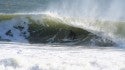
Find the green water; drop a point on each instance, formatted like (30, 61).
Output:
(47, 29)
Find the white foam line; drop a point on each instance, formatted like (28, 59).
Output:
(46, 57)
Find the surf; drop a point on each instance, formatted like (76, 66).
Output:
(49, 29)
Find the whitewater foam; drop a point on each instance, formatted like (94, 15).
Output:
(47, 57)
(10, 32)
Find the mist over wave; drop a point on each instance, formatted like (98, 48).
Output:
(106, 17)
(96, 9)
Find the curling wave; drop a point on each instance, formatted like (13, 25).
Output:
(45, 28)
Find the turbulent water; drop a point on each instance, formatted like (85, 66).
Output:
(62, 35)
(52, 28)
(49, 28)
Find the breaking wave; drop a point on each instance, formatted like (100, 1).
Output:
(50, 28)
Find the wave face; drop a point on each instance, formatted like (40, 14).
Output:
(46, 28)
(63, 21)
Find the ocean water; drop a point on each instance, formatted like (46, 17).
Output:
(14, 6)
(62, 35)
